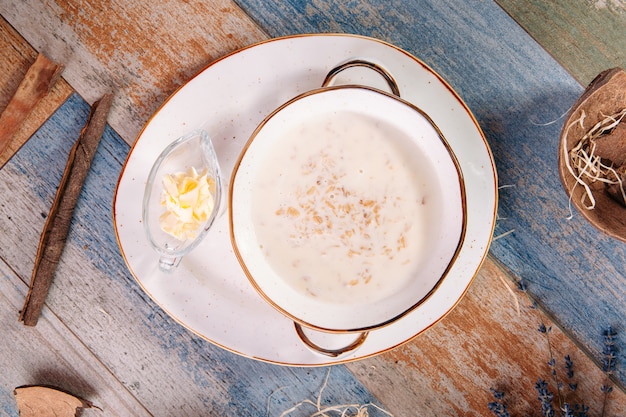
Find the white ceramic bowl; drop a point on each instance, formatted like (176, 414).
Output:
(310, 173)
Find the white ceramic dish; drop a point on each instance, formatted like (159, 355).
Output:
(209, 294)
(431, 225)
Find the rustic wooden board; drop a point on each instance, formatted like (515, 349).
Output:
(17, 56)
(509, 82)
(586, 37)
(490, 340)
(169, 370)
(141, 50)
(519, 94)
(51, 354)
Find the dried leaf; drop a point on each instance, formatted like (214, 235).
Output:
(40, 401)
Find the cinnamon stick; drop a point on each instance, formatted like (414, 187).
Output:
(37, 82)
(57, 225)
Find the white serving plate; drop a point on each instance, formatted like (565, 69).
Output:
(209, 294)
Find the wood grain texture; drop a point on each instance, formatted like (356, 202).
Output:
(143, 50)
(519, 95)
(52, 355)
(586, 37)
(511, 84)
(17, 57)
(448, 370)
(490, 340)
(169, 370)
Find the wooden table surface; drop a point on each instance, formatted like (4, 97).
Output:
(519, 66)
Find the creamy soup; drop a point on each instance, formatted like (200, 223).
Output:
(341, 208)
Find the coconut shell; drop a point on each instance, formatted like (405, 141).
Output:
(605, 95)
(612, 147)
(615, 191)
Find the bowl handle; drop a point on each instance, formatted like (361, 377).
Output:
(333, 353)
(362, 63)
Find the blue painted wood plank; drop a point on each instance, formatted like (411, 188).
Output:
(172, 361)
(519, 95)
(51, 355)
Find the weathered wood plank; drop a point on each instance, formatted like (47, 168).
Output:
(490, 340)
(509, 83)
(17, 56)
(586, 37)
(158, 361)
(143, 50)
(153, 357)
(518, 93)
(50, 354)
(168, 369)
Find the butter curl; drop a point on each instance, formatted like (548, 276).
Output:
(188, 198)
